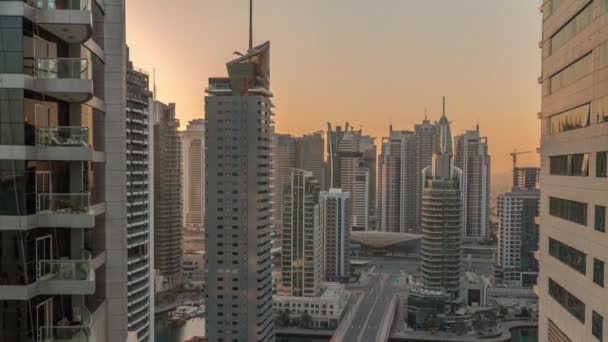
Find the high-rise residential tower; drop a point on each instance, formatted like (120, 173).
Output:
(140, 270)
(167, 198)
(526, 178)
(193, 174)
(310, 155)
(302, 263)
(283, 161)
(441, 254)
(518, 237)
(238, 110)
(471, 156)
(396, 184)
(572, 292)
(335, 227)
(63, 183)
(424, 145)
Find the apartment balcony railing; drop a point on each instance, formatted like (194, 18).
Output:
(61, 68)
(59, 4)
(65, 270)
(62, 136)
(76, 330)
(76, 203)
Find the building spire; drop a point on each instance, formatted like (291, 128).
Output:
(444, 106)
(250, 26)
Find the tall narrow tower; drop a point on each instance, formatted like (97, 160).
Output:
(442, 217)
(238, 208)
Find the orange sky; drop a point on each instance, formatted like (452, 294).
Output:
(366, 62)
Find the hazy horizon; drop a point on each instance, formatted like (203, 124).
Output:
(360, 62)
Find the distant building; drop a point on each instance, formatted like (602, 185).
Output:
(396, 208)
(167, 196)
(471, 156)
(518, 237)
(302, 258)
(310, 155)
(139, 134)
(526, 178)
(441, 253)
(334, 215)
(238, 211)
(574, 188)
(193, 175)
(326, 310)
(283, 161)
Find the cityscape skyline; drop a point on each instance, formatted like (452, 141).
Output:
(335, 87)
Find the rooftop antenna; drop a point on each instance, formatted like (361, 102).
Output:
(425, 117)
(444, 106)
(250, 26)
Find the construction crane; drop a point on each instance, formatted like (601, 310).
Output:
(514, 154)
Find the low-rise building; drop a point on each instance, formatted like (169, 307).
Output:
(325, 311)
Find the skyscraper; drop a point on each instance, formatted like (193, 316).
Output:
(334, 138)
(518, 237)
(238, 209)
(396, 182)
(193, 174)
(310, 155)
(574, 190)
(335, 227)
(63, 184)
(302, 263)
(284, 160)
(471, 156)
(140, 270)
(424, 146)
(442, 217)
(167, 198)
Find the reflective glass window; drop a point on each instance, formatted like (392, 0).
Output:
(598, 272)
(11, 45)
(600, 218)
(601, 164)
(572, 28)
(569, 210)
(571, 73)
(574, 118)
(567, 300)
(597, 326)
(570, 256)
(600, 108)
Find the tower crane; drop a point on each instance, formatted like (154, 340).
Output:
(516, 153)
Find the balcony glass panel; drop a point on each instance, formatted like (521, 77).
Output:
(59, 4)
(77, 203)
(62, 68)
(63, 136)
(65, 269)
(76, 330)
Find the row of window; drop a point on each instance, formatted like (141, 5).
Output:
(572, 28)
(569, 165)
(570, 256)
(576, 308)
(569, 210)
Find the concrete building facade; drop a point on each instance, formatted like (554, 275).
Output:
(63, 223)
(518, 236)
(167, 198)
(335, 226)
(574, 189)
(238, 110)
(140, 267)
(193, 175)
(471, 156)
(302, 262)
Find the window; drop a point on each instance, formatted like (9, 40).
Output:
(603, 55)
(572, 28)
(11, 45)
(575, 118)
(567, 300)
(597, 326)
(570, 256)
(572, 211)
(600, 218)
(601, 164)
(598, 272)
(570, 165)
(571, 73)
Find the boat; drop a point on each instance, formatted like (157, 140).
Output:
(181, 315)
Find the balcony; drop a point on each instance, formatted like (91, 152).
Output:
(67, 79)
(66, 277)
(70, 20)
(78, 329)
(62, 136)
(57, 203)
